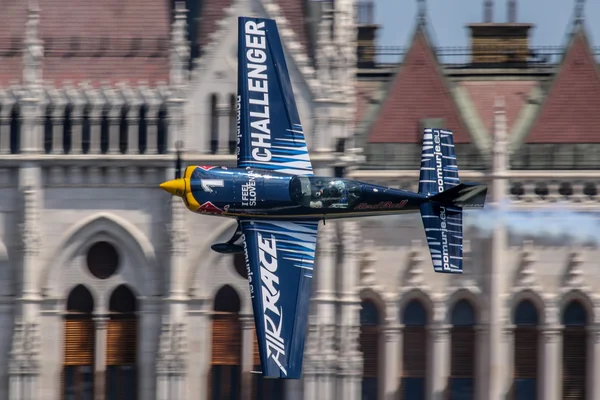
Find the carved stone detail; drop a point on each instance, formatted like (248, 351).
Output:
(439, 332)
(551, 333)
(177, 228)
(367, 270)
(574, 273)
(414, 271)
(30, 230)
(25, 350)
(525, 276)
(180, 51)
(172, 349)
(34, 51)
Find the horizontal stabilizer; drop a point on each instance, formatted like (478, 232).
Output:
(443, 229)
(464, 195)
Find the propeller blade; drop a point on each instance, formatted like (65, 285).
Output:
(178, 165)
(178, 146)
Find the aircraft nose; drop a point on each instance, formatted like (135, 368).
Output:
(175, 186)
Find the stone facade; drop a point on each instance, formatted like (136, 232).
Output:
(80, 164)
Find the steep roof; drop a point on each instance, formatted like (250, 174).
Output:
(570, 113)
(483, 95)
(418, 91)
(75, 32)
(212, 11)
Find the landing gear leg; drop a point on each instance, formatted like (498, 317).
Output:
(229, 247)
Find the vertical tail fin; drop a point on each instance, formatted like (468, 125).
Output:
(439, 170)
(443, 223)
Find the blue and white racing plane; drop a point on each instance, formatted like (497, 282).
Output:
(278, 202)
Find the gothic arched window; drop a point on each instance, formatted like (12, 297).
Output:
(123, 129)
(15, 130)
(463, 350)
(121, 345)
(79, 345)
(68, 129)
(414, 351)
(48, 130)
(225, 374)
(162, 130)
(143, 130)
(104, 130)
(86, 130)
(214, 124)
(526, 351)
(574, 357)
(369, 345)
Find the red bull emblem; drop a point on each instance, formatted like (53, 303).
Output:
(210, 208)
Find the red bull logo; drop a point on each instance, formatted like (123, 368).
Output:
(383, 205)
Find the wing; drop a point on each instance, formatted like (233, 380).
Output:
(269, 132)
(280, 258)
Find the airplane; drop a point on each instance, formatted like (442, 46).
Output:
(278, 202)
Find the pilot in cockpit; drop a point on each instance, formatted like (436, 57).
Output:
(336, 195)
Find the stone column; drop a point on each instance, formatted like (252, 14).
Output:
(494, 365)
(509, 359)
(310, 360)
(247, 322)
(133, 130)
(325, 302)
(482, 372)
(114, 125)
(31, 244)
(148, 323)
(24, 362)
(77, 129)
(95, 118)
(31, 131)
(152, 129)
(593, 367)
(551, 362)
(393, 361)
(439, 361)
(322, 142)
(100, 358)
(5, 112)
(349, 304)
(58, 116)
(179, 248)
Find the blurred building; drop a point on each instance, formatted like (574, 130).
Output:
(109, 288)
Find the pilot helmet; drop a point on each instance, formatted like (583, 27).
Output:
(339, 185)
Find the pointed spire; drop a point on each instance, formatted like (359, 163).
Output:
(525, 277)
(488, 11)
(574, 273)
(512, 11)
(33, 48)
(179, 48)
(414, 272)
(579, 10)
(325, 50)
(368, 261)
(421, 11)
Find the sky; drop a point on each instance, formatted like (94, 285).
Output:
(448, 20)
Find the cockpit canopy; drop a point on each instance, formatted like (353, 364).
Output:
(316, 192)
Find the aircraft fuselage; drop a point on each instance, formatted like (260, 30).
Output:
(254, 193)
